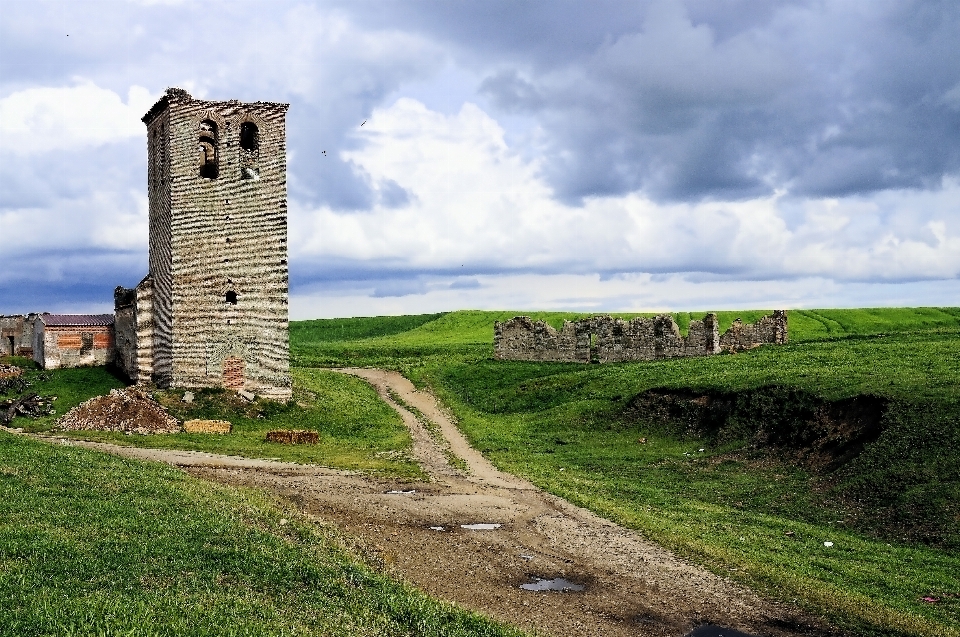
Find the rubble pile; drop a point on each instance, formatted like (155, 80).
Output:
(293, 436)
(14, 381)
(30, 405)
(129, 410)
(10, 371)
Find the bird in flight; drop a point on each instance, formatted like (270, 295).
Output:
(364, 122)
(323, 153)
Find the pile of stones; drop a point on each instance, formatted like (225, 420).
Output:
(10, 371)
(130, 410)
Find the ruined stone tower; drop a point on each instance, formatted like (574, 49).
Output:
(217, 288)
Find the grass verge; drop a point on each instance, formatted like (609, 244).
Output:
(92, 544)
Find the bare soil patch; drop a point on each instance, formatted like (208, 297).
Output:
(417, 531)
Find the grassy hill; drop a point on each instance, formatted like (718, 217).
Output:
(741, 495)
(330, 342)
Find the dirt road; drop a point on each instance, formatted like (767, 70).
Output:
(631, 586)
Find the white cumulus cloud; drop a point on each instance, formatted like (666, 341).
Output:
(471, 200)
(44, 119)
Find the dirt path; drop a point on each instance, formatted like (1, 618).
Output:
(631, 586)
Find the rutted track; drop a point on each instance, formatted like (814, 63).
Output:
(633, 587)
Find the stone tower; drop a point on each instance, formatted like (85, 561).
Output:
(218, 247)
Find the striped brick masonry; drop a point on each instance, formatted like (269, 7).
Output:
(217, 310)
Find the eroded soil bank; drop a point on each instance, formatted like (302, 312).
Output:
(631, 586)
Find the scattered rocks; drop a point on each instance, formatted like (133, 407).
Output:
(30, 405)
(207, 426)
(10, 371)
(187, 397)
(130, 409)
(293, 436)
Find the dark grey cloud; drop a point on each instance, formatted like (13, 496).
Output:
(717, 99)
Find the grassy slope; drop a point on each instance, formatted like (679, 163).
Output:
(348, 329)
(535, 419)
(357, 430)
(93, 544)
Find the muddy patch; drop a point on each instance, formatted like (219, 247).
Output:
(556, 584)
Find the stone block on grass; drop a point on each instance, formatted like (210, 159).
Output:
(293, 436)
(207, 426)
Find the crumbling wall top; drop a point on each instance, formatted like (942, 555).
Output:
(175, 95)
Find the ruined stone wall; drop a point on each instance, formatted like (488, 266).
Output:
(644, 339)
(16, 335)
(145, 332)
(38, 353)
(605, 339)
(521, 338)
(125, 330)
(218, 244)
(65, 346)
(133, 330)
(771, 329)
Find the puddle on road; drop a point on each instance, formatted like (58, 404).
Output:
(481, 527)
(555, 584)
(709, 630)
(437, 528)
(395, 492)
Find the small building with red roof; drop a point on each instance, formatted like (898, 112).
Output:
(73, 340)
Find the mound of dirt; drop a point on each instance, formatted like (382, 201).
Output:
(129, 409)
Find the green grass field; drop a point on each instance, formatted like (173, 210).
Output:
(720, 496)
(357, 430)
(741, 510)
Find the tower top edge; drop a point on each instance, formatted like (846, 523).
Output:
(177, 96)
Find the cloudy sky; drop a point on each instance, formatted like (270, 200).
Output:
(591, 155)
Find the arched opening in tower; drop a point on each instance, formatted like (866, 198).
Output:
(207, 147)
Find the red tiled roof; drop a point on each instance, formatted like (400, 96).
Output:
(77, 320)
